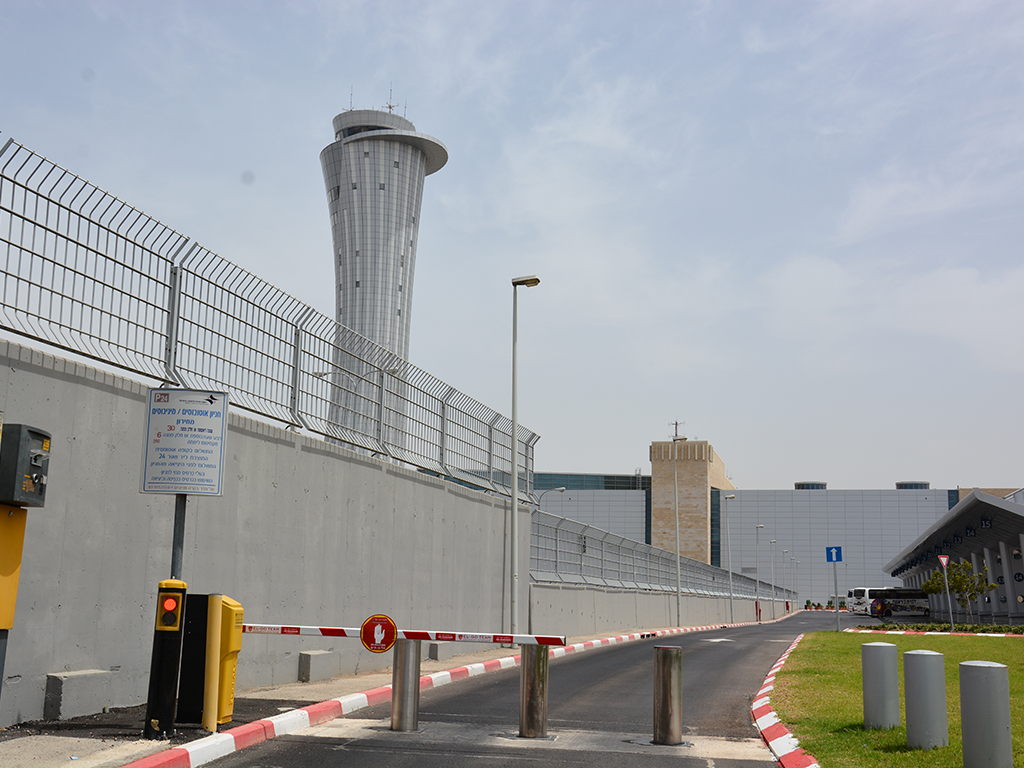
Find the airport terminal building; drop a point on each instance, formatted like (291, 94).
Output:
(779, 536)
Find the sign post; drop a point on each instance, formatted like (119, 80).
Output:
(834, 555)
(944, 559)
(184, 452)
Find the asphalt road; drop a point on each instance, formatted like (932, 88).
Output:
(600, 703)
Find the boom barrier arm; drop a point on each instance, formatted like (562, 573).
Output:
(406, 634)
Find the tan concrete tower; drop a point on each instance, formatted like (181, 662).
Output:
(697, 469)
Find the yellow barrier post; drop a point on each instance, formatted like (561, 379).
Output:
(232, 618)
(211, 679)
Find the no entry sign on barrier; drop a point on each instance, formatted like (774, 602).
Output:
(405, 634)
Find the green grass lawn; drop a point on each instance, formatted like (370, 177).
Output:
(818, 695)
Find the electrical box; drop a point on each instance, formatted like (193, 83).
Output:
(24, 464)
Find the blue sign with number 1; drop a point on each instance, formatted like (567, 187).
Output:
(833, 554)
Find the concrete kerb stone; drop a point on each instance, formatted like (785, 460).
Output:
(217, 745)
(783, 744)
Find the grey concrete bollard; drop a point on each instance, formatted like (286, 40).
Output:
(924, 687)
(668, 695)
(985, 715)
(533, 691)
(405, 686)
(881, 685)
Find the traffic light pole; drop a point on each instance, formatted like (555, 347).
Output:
(163, 671)
(178, 543)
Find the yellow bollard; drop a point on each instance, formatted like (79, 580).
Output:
(211, 698)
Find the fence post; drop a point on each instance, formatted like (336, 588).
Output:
(668, 695)
(881, 685)
(297, 367)
(533, 692)
(924, 685)
(985, 715)
(405, 686)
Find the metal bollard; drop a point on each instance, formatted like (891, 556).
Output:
(405, 686)
(533, 692)
(668, 695)
(924, 685)
(881, 685)
(985, 715)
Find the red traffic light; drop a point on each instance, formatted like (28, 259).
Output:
(169, 610)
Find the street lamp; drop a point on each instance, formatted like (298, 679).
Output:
(792, 578)
(560, 489)
(796, 578)
(728, 544)
(772, 548)
(529, 281)
(675, 505)
(757, 572)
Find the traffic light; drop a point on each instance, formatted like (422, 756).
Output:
(168, 613)
(163, 670)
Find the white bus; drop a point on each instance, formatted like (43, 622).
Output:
(859, 600)
(887, 602)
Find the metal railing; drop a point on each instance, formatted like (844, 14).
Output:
(564, 551)
(85, 272)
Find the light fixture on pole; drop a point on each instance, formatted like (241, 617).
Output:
(757, 572)
(772, 548)
(728, 544)
(560, 489)
(528, 281)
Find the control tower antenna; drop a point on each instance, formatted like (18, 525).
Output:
(391, 91)
(677, 425)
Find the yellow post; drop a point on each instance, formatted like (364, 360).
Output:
(230, 645)
(211, 697)
(12, 541)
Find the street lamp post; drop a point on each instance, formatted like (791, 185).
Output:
(560, 489)
(675, 506)
(529, 281)
(757, 572)
(772, 548)
(792, 578)
(728, 544)
(796, 578)
(785, 564)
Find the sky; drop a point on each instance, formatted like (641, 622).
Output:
(795, 228)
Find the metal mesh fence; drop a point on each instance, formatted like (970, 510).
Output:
(565, 551)
(85, 272)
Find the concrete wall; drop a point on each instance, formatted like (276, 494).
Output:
(562, 609)
(305, 533)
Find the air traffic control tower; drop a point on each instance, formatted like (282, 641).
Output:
(374, 175)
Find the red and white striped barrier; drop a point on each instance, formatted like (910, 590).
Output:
(405, 634)
(780, 741)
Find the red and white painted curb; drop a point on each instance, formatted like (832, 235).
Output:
(916, 632)
(780, 741)
(218, 745)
